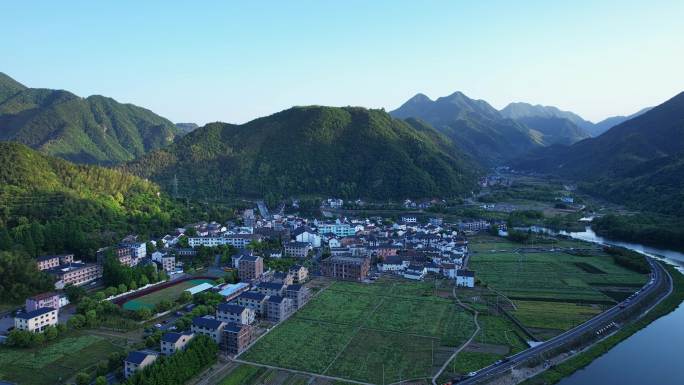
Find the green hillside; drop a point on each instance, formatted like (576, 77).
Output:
(638, 162)
(51, 205)
(96, 129)
(554, 130)
(474, 126)
(348, 152)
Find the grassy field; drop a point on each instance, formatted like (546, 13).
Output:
(170, 293)
(398, 329)
(466, 362)
(55, 362)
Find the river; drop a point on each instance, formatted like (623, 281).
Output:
(650, 356)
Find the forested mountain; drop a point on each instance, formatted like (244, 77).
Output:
(639, 162)
(186, 127)
(608, 123)
(520, 111)
(349, 152)
(49, 205)
(525, 110)
(473, 125)
(553, 130)
(95, 129)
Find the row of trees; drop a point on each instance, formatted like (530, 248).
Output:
(20, 277)
(26, 339)
(116, 275)
(180, 367)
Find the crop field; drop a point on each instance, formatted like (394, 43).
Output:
(56, 362)
(466, 362)
(391, 329)
(170, 293)
(554, 315)
(553, 275)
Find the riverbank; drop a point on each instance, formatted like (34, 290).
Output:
(557, 373)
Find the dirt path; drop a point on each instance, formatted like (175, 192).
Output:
(472, 337)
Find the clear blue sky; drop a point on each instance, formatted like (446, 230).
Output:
(233, 61)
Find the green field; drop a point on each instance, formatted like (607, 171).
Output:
(466, 362)
(553, 275)
(361, 331)
(56, 362)
(170, 293)
(553, 291)
(553, 315)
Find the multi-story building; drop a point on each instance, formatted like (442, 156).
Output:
(209, 327)
(476, 225)
(75, 273)
(279, 308)
(237, 337)
(250, 267)
(271, 288)
(137, 360)
(173, 342)
(166, 261)
(465, 278)
(337, 228)
(124, 255)
(299, 273)
(138, 249)
(253, 300)
(230, 312)
(299, 295)
(297, 249)
(347, 268)
(284, 278)
(36, 320)
(47, 262)
(50, 299)
(236, 240)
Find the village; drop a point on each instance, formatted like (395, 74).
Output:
(348, 249)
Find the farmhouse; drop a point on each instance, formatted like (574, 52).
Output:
(415, 272)
(465, 278)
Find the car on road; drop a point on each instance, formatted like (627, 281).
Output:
(158, 326)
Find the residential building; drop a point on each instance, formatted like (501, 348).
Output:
(50, 299)
(409, 219)
(250, 267)
(209, 327)
(347, 268)
(173, 342)
(299, 273)
(253, 300)
(297, 249)
(47, 262)
(164, 260)
(271, 288)
(75, 273)
(237, 337)
(137, 360)
(474, 226)
(415, 272)
(393, 263)
(286, 278)
(36, 320)
(306, 235)
(338, 228)
(138, 249)
(299, 294)
(465, 278)
(278, 308)
(231, 291)
(229, 312)
(236, 240)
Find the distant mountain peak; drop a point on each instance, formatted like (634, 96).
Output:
(419, 98)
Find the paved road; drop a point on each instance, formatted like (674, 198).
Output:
(659, 276)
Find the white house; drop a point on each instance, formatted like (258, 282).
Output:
(393, 263)
(415, 272)
(307, 235)
(409, 219)
(465, 278)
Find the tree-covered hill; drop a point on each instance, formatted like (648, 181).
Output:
(95, 129)
(638, 162)
(474, 126)
(51, 205)
(349, 152)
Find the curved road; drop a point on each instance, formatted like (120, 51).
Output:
(659, 276)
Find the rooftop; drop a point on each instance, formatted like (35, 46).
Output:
(35, 313)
